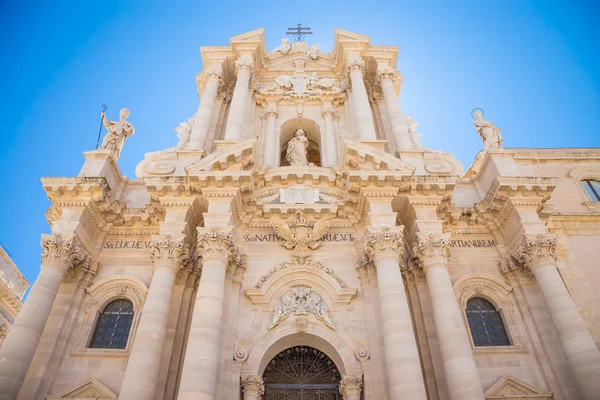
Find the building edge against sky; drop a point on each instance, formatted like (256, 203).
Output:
(299, 220)
(12, 289)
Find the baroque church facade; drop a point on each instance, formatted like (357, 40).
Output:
(299, 242)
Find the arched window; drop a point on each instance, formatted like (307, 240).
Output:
(113, 326)
(592, 187)
(485, 323)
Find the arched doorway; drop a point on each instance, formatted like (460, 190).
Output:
(301, 373)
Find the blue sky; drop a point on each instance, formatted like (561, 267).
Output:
(533, 66)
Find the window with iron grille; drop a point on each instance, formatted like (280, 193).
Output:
(113, 326)
(485, 323)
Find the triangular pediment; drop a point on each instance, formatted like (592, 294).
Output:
(88, 389)
(509, 387)
(341, 35)
(237, 156)
(255, 36)
(365, 157)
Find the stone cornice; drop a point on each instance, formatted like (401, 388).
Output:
(9, 297)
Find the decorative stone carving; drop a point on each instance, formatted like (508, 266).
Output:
(314, 51)
(386, 73)
(299, 194)
(301, 237)
(310, 263)
(244, 63)
(509, 387)
(301, 83)
(432, 249)
(237, 265)
(118, 132)
(3, 333)
(492, 139)
(355, 62)
(297, 149)
(89, 389)
(351, 385)
(384, 243)
(215, 244)
(253, 385)
(184, 131)
(284, 47)
(64, 250)
(415, 137)
(536, 250)
(170, 251)
(301, 300)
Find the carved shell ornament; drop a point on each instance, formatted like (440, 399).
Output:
(300, 237)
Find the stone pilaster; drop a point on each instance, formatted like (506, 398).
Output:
(385, 247)
(362, 108)
(460, 369)
(253, 387)
(200, 368)
(204, 114)
(538, 253)
(271, 152)
(351, 387)
(59, 253)
(234, 130)
(168, 255)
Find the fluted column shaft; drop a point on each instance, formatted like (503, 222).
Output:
(253, 387)
(237, 109)
(205, 111)
(329, 142)
(143, 367)
(538, 254)
(362, 108)
(395, 114)
(405, 379)
(59, 253)
(459, 364)
(200, 368)
(271, 154)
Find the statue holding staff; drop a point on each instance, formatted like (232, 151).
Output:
(118, 132)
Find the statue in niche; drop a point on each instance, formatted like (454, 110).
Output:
(118, 132)
(297, 149)
(284, 47)
(492, 139)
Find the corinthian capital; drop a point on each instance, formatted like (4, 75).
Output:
(355, 62)
(171, 251)
(64, 250)
(327, 110)
(253, 386)
(536, 250)
(384, 243)
(216, 244)
(244, 63)
(214, 71)
(386, 73)
(350, 385)
(430, 249)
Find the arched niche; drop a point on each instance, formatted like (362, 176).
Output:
(313, 133)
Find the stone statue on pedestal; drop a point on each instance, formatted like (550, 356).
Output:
(285, 47)
(297, 149)
(415, 137)
(118, 132)
(487, 131)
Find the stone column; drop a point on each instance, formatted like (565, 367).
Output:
(462, 378)
(59, 253)
(537, 252)
(395, 114)
(253, 388)
(385, 247)
(200, 367)
(141, 376)
(237, 110)
(329, 145)
(204, 114)
(272, 145)
(351, 387)
(362, 108)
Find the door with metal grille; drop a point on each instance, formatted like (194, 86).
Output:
(301, 373)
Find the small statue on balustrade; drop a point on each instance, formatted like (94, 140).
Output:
(118, 132)
(492, 139)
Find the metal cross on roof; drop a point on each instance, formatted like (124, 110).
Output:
(299, 32)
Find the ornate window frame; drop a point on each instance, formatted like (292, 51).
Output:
(100, 295)
(498, 293)
(586, 172)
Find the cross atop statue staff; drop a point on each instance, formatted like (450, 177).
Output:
(299, 32)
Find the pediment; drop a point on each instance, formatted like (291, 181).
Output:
(285, 63)
(510, 387)
(365, 157)
(342, 36)
(238, 156)
(88, 389)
